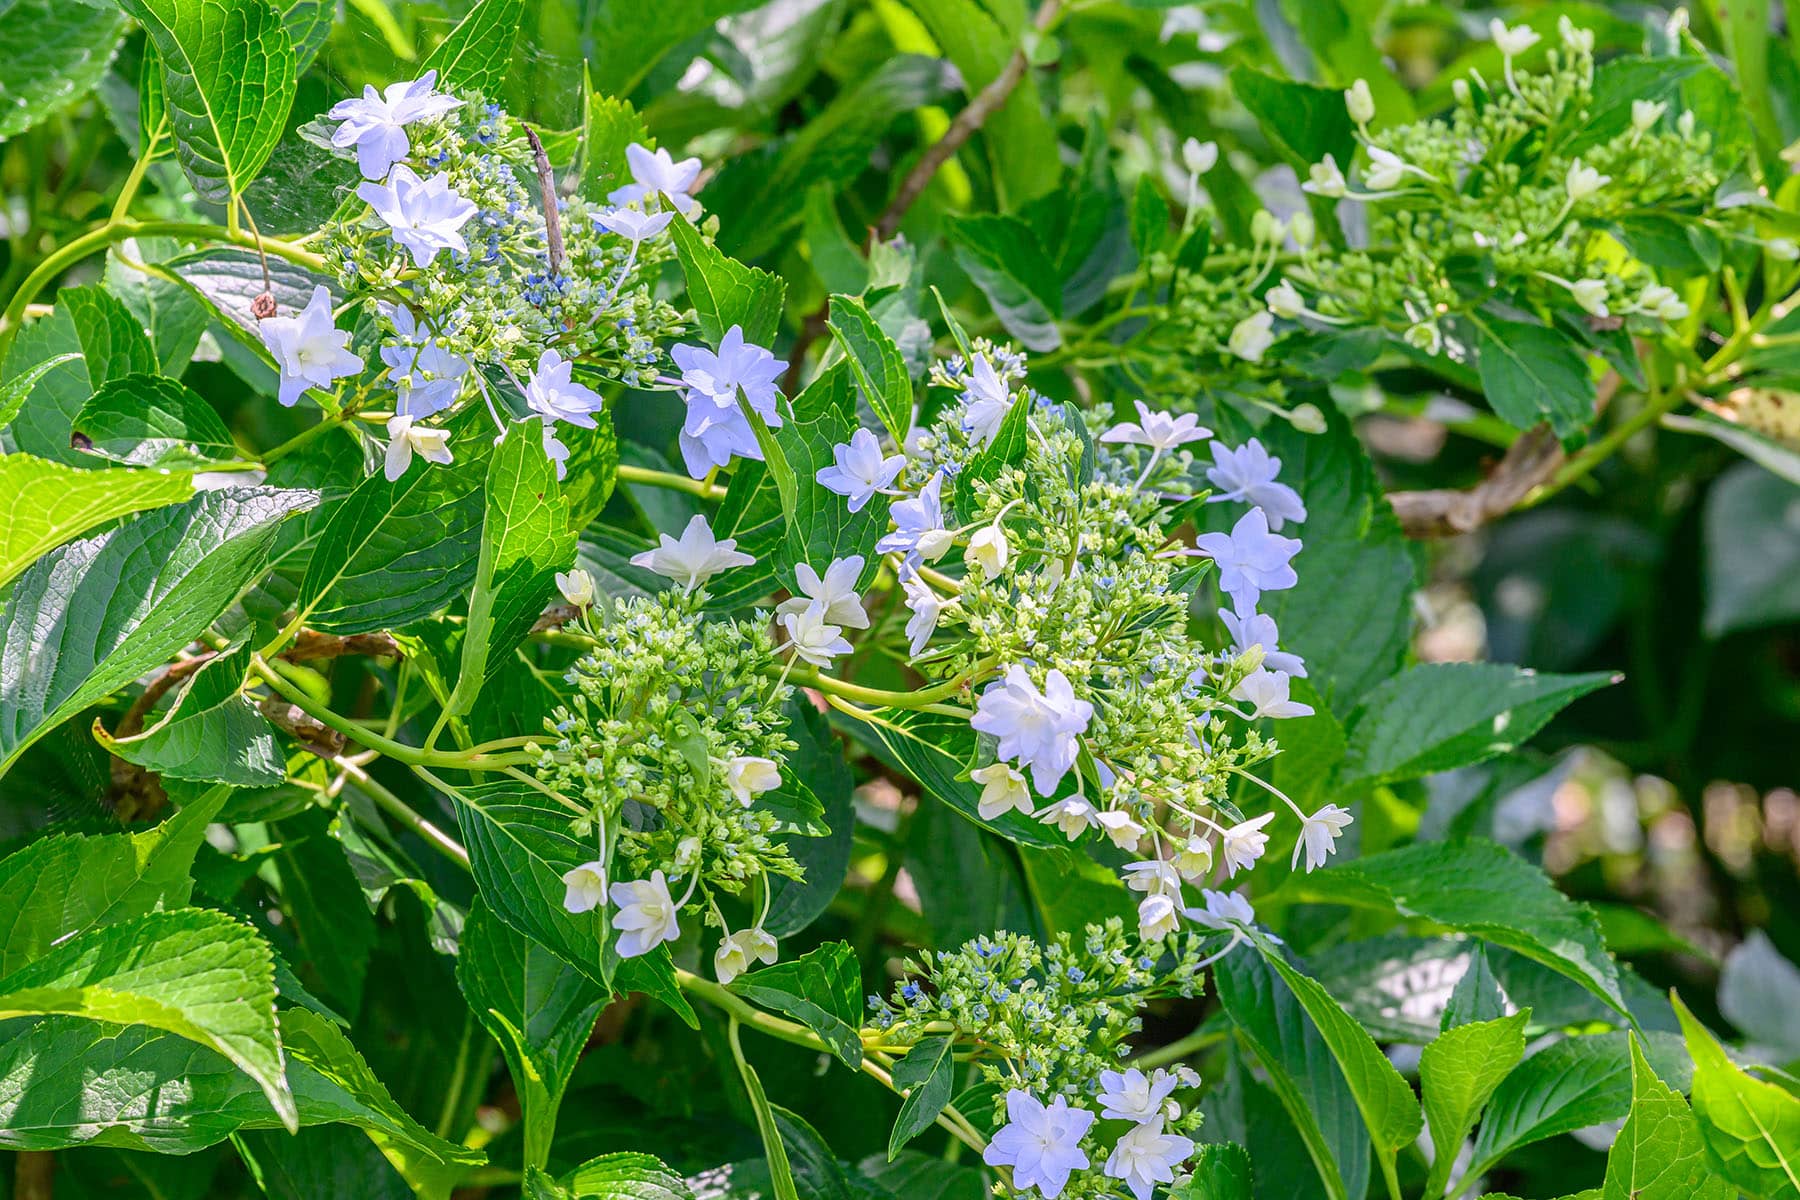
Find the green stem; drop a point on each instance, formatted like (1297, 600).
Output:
(404, 813)
(104, 235)
(1597, 452)
(1177, 1050)
(808, 677)
(368, 738)
(672, 481)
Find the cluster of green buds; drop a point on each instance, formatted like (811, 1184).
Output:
(1537, 191)
(1101, 709)
(473, 279)
(674, 742)
(1047, 1027)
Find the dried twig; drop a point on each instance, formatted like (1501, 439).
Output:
(1530, 463)
(552, 218)
(973, 115)
(1446, 512)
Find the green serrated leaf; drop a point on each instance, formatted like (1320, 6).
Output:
(63, 884)
(228, 75)
(1437, 716)
(876, 362)
(52, 53)
(822, 990)
(526, 539)
(540, 1009)
(725, 292)
(153, 421)
(1532, 374)
(1457, 1074)
(48, 504)
(1751, 1128)
(1481, 888)
(102, 612)
(195, 973)
(925, 1076)
(478, 52)
(211, 733)
(1660, 1154)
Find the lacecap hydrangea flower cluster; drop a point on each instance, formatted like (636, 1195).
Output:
(468, 277)
(1048, 1027)
(1505, 194)
(1062, 619)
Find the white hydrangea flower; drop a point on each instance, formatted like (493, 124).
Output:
(859, 469)
(1002, 790)
(309, 349)
(1248, 473)
(695, 558)
(1158, 917)
(1583, 181)
(747, 777)
(633, 224)
(1244, 843)
(1360, 102)
(405, 439)
(1131, 1095)
(986, 401)
(376, 122)
(1251, 337)
(738, 950)
(1267, 692)
(925, 605)
(656, 174)
(812, 637)
(1121, 827)
(1250, 559)
(1258, 631)
(1325, 179)
(1319, 834)
(647, 915)
(1042, 1144)
(1157, 430)
(423, 215)
(836, 591)
(988, 551)
(576, 586)
(586, 886)
(1039, 729)
(919, 524)
(1073, 815)
(1147, 1156)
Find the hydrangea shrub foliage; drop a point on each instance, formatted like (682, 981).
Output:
(704, 600)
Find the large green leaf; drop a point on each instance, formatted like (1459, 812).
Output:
(538, 1007)
(1659, 1154)
(1751, 1128)
(819, 761)
(62, 884)
(925, 1076)
(396, 552)
(212, 732)
(1303, 121)
(92, 616)
(876, 362)
(1532, 374)
(153, 421)
(1481, 888)
(478, 51)
(195, 973)
(628, 37)
(1301, 1069)
(52, 53)
(626, 1175)
(821, 526)
(1752, 550)
(724, 291)
(228, 74)
(1568, 1085)
(821, 989)
(91, 324)
(48, 503)
(1220, 1171)
(1385, 1099)
(1458, 1072)
(520, 847)
(1003, 256)
(1437, 716)
(526, 539)
(66, 1082)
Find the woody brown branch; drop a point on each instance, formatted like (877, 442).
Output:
(963, 126)
(1531, 462)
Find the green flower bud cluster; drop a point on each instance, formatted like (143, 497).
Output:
(1506, 195)
(502, 304)
(662, 705)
